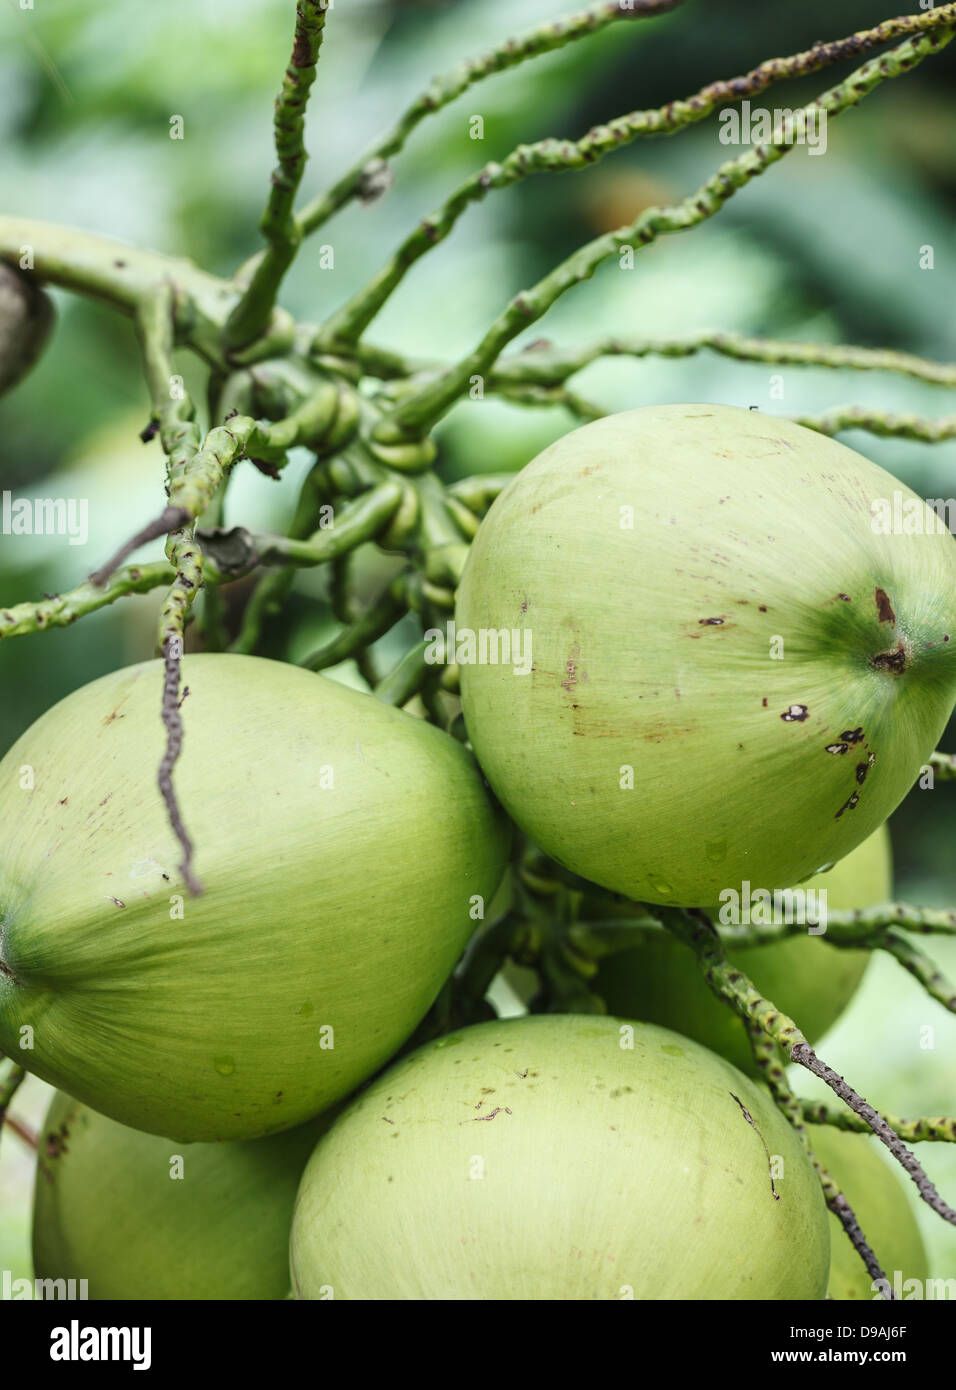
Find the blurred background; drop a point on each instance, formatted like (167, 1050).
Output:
(825, 248)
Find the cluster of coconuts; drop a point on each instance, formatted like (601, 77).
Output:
(734, 678)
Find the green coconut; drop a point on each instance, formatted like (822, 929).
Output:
(346, 851)
(139, 1217)
(725, 660)
(560, 1157)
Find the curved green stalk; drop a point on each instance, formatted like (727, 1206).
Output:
(273, 588)
(560, 156)
(416, 415)
(932, 1129)
(379, 618)
(545, 38)
(545, 365)
(359, 521)
(283, 234)
(63, 609)
(405, 679)
(864, 926)
(923, 970)
(881, 422)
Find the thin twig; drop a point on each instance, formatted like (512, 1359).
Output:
(21, 1130)
(173, 723)
(730, 984)
(802, 1053)
(767, 1060)
(169, 519)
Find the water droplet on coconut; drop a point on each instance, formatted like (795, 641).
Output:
(225, 1066)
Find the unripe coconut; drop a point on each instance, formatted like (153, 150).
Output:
(658, 979)
(140, 1217)
(345, 849)
(879, 1204)
(733, 675)
(544, 1158)
(26, 318)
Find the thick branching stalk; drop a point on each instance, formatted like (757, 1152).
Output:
(545, 38)
(116, 273)
(193, 481)
(924, 1129)
(282, 232)
(172, 416)
(560, 156)
(195, 476)
(546, 365)
(725, 980)
(881, 422)
(731, 985)
(195, 468)
(63, 609)
(415, 416)
(767, 1060)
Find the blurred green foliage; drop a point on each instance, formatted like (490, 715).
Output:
(824, 248)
